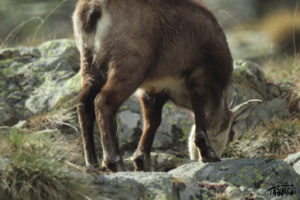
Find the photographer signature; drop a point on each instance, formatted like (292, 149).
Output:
(282, 189)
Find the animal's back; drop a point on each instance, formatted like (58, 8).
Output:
(192, 43)
(181, 39)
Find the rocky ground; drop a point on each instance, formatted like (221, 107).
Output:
(38, 93)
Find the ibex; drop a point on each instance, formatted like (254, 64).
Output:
(163, 49)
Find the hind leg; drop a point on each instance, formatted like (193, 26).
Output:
(124, 77)
(91, 86)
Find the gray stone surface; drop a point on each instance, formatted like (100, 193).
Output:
(230, 179)
(33, 80)
(254, 175)
(249, 82)
(297, 167)
(136, 186)
(294, 160)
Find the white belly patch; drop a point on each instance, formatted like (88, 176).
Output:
(172, 85)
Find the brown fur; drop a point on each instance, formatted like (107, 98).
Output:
(169, 49)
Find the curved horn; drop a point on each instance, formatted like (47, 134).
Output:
(243, 110)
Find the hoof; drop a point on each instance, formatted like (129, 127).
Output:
(138, 163)
(142, 163)
(211, 156)
(114, 167)
(93, 170)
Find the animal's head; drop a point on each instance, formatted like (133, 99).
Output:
(220, 124)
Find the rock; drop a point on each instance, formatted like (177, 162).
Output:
(63, 49)
(229, 179)
(294, 160)
(36, 79)
(297, 167)
(21, 124)
(174, 129)
(171, 134)
(252, 174)
(54, 89)
(135, 185)
(161, 162)
(61, 61)
(129, 129)
(164, 162)
(129, 118)
(234, 192)
(249, 82)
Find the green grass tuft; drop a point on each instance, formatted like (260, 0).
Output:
(35, 167)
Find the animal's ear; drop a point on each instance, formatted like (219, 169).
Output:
(243, 110)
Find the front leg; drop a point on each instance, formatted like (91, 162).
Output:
(152, 105)
(198, 100)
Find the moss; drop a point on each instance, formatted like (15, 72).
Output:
(3, 88)
(239, 67)
(6, 62)
(8, 71)
(48, 46)
(74, 83)
(123, 107)
(51, 48)
(258, 174)
(176, 160)
(205, 196)
(186, 128)
(170, 107)
(224, 168)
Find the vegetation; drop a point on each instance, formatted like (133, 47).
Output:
(40, 167)
(272, 140)
(284, 70)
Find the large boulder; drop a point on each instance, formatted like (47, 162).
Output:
(249, 82)
(33, 80)
(171, 135)
(229, 179)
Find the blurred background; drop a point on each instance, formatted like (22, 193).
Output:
(30, 22)
(255, 28)
(266, 32)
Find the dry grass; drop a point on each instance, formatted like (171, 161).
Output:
(64, 119)
(285, 71)
(36, 167)
(273, 140)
